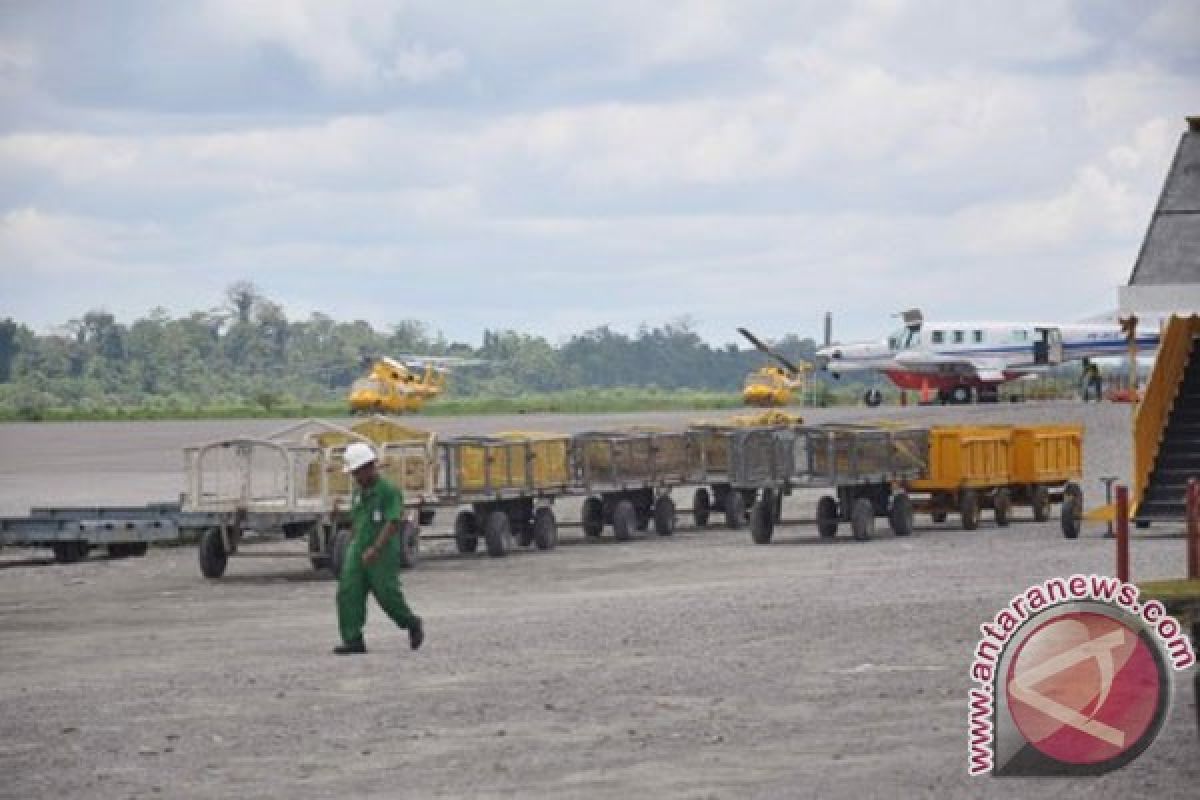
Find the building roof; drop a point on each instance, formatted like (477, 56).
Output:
(1170, 253)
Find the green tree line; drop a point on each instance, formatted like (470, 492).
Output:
(247, 352)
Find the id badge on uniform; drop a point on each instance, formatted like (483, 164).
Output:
(377, 517)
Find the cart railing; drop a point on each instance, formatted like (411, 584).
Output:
(826, 455)
(623, 459)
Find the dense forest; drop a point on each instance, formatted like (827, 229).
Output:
(248, 353)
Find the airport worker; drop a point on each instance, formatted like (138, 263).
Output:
(1097, 382)
(372, 557)
(1085, 378)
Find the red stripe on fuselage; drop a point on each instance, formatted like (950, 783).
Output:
(919, 380)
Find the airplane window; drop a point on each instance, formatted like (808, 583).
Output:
(959, 337)
(939, 337)
(978, 337)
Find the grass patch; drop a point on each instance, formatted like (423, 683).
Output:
(576, 401)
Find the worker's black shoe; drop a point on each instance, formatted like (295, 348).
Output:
(416, 633)
(351, 648)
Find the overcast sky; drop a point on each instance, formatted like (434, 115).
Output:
(551, 167)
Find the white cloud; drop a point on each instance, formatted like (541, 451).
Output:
(600, 162)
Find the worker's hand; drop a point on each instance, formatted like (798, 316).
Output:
(370, 555)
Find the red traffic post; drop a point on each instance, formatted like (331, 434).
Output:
(1193, 529)
(1123, 534)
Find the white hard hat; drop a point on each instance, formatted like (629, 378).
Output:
(358, 454)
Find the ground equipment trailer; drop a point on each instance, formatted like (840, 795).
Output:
(508, 481)
(865, 468)
(711, 447)
(998, 467)
(72, 532)
(626, 478)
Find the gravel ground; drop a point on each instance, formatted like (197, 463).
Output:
(693, 666)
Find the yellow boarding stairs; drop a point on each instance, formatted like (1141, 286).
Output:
(1166, 430)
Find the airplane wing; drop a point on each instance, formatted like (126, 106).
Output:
(989, 370)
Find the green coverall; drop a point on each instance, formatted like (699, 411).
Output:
(371, 509)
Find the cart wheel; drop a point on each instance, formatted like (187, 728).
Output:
(338, 546)
(1002, 507)
(1040, 500)
(545, 529)
(1072, 515)
(524, 531)
(664, 516)
(466, 531)
(213, 557)
(938, 516)
(643, 517)
(318, 559)
(778, 508)
(901, 516)
(624, 520)
(69, 552)
(735, 511)
(762, 518)
(968, 509)
(410, 544)
(862, 519)
(593, 516)
(496, 533)
(1073, 489)
(827, 517)
(701, 506)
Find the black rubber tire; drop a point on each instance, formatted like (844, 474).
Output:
(701, 506)
(70, 552)
(827, 517)
(862, 519)
(960, 395)
(901, 516)
(1075, 490)
(318, 559)
(524, 532)
(1039, 499)
(1072, 516)
(968, 509)
(643, 517)
(664, 515)
(338, 547)
(1002, 507)
(938, 516)
(466, 532)
(545, 529)
(593, 516)
(735, 511)
(762, 518)
(212, 555)
(872, 398)
(410, 544)
(496, 533)
(624, 521)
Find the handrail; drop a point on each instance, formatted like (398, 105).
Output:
(1174, 347)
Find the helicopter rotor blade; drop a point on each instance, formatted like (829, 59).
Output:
(764, 348)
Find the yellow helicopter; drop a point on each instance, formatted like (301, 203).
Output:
(773, 386)
(395, 386)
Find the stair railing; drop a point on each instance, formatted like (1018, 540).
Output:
(1174, 349)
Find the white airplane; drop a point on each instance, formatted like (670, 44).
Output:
(966, 360)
